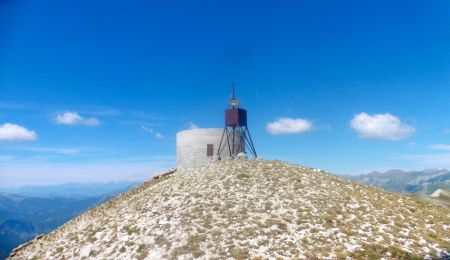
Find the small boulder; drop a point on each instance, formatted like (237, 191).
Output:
(242, 156)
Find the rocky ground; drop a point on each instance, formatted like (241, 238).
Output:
(251, 209)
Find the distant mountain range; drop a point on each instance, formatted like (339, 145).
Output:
(26, 212)
(423, 184)
(71, 190)
(398, 181)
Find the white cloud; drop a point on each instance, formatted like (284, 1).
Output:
(147, 129)
(284, 126)
(192, 125)
(152, 131)
(13, 132)
(442, 147)
(381, 126)
(73, 118)
(64, 151)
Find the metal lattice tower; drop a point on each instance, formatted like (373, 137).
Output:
(236, 127)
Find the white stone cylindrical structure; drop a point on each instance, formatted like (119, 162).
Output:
(198, 147)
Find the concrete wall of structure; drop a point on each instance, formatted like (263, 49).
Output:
(192, 147)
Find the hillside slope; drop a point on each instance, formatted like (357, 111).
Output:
(246, 209)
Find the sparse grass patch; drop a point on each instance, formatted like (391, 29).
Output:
(192, 246)
(216, 207)
(131, 230)
(142, 250)
(305, 240)
(216, 232)
(92, 238)
(242, 176)
(432, 235)
(93, 253)
(239, 253)
(263, 242)
(329, 222)
(162, 241)
(314, 230)
(376, 252)
(268, 205)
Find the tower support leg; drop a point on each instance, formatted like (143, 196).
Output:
(245, 141)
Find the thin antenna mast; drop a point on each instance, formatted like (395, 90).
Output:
(233, 101)
(232, 91)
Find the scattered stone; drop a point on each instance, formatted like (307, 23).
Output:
(242, 156)
(253, 209)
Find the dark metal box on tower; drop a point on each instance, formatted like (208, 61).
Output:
(236, 117)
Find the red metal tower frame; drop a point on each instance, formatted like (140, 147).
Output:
(236, 126)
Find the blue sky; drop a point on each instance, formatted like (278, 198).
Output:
(96, 90)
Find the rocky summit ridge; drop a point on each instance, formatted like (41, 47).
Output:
(251, 209)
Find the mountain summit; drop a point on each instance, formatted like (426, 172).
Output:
(251, 209)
